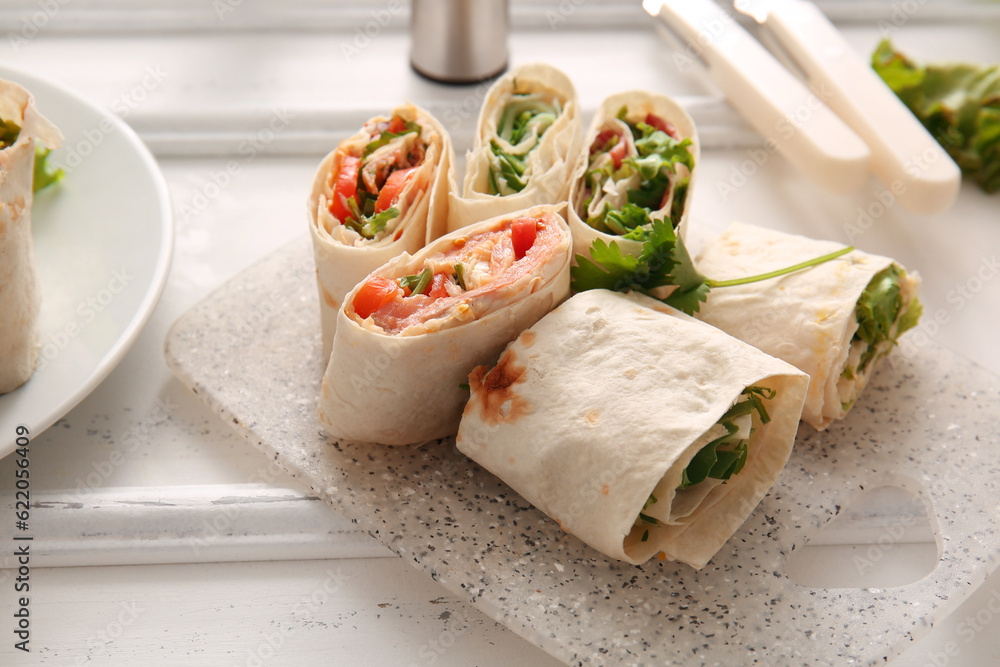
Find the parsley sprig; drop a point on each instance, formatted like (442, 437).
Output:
(664, 260)
(713, 462)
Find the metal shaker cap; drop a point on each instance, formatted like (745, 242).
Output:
(458, 41)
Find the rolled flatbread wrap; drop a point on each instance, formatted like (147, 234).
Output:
(20, 299)
(640, 158)
(381, 192)
(835, 321)
(411, 332)
(528, 140)
(621, 418)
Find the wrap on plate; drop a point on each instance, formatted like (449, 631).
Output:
(835, 321)
(409, 334)
(642, 150)
(637, 428)
(381, 192)
(21, 126)
(528, 140)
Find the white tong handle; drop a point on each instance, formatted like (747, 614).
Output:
(772, 100)
(905, 157)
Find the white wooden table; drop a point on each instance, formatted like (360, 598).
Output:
(191, 548)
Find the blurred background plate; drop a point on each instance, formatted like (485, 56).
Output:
(103, 240)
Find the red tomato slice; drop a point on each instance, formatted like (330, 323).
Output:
(617, 151)
(374, 293)
(661, 124)
(437, 289)
(601, 140)
(396, 125)
(346, 187)
(522, 235)
(389, 194)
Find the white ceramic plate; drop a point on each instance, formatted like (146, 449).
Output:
(103, 241)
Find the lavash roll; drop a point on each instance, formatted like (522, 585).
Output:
(639, 103)
(344, 258)
(610, 396)
(551, 164)
(20, 297)
(806, 318)
(406, 388)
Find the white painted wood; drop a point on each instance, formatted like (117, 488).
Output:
(186, 524)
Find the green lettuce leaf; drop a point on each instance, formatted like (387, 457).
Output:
(958, 103)
(44, 175)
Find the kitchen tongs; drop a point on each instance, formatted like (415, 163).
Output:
(844, 125)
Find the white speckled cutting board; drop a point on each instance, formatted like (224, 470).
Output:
(929, 424)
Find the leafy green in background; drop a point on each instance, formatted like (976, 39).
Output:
(958, 103)
(44, 175)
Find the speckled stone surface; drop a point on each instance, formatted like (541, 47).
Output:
(928, 423)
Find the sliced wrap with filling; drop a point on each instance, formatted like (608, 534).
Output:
(21, 126)
(381, 192)
(640, 158)
(528, 140)
(410, 333)
(637, 428)
(835, 321)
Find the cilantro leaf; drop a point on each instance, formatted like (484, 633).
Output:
(610, 269)
(692, 286)
(657, 256)
(664, 260)
(725, 456)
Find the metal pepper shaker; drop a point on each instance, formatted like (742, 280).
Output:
(458, 41)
